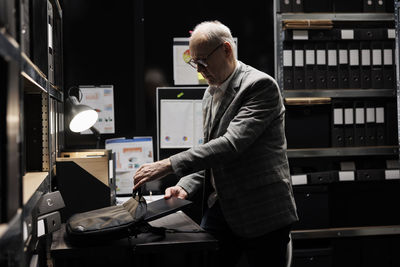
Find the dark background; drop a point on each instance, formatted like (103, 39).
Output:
(129, 44)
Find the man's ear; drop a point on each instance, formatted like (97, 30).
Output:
(228, 48)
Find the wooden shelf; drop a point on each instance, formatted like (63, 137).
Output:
(31, 182)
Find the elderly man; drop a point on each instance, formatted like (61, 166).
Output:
(243, 163)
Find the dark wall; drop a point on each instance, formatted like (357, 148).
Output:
(107, 42)
(101, 40)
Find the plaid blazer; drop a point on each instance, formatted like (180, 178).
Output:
(245, 146)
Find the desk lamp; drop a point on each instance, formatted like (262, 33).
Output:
(81, 117)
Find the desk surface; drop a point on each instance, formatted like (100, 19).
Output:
(145, 242)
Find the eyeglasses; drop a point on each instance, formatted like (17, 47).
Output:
(202, 62)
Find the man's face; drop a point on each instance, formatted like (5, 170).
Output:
(213, 56)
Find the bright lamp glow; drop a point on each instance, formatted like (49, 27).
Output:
(81, 117)
(83, 120)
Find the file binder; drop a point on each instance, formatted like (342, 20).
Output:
(348, 124)
(297, 5)
(354, 66)
(365, 65)
(332, 72)
(337, 124)
(377, 66)
(388, 65)
(287, 66)
(380, 125)
(321, 73)
(370, 130)
(285, 5)
(380, 6)
(369, 6)
(368, 34)
(298, 70)
(343, 69)
(370, 175)
(391, 123)
(359, 129)
(317, 6)
(310, 67)
(320, 35)
(323, 177)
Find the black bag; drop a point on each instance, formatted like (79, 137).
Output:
(110, 223)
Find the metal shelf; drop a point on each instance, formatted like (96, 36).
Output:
(9, 48)
(340, 93)
(346, 232)
(343, 151)
(339, 16)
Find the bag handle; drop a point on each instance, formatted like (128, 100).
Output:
(137, 192)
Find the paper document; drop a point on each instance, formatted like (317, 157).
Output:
(181, 123)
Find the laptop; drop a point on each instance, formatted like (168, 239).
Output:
(162, 207)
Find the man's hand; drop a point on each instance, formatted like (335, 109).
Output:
(175, 191)
(151, 171)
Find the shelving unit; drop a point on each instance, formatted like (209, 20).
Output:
(32, 119)
(320, 201)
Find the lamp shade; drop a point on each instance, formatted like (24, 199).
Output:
(81, 117)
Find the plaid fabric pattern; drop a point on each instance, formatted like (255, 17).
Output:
(245, 145)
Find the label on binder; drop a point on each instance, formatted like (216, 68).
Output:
(310, 57)
(287, 58)
(387, 57)
(347, 34)
(298, 58)
(343, 55)
(300, 35)
(354, 58)
(380, 115)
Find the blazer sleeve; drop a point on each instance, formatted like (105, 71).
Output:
(192, 182)
(260, 105)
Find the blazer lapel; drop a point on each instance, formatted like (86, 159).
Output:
(228, 96)
(207, 118)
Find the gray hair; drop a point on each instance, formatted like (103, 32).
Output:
(215, 32)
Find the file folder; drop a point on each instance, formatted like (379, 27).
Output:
(370, 128)
(359, 129)
(377, 66)
(354, 63)
(380, 125)
(337, 124)
(348, 124)
(287, 66)
(332, 72)
(298, 71)
(388, 65)
(365, 65)
(343, 69)
(285, 5)
(310, 67)
(321, 73)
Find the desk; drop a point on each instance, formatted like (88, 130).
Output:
(176, 249)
